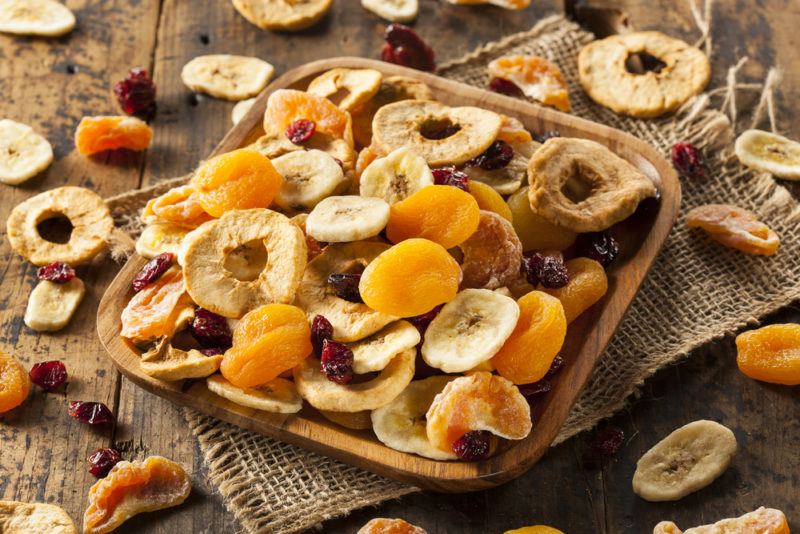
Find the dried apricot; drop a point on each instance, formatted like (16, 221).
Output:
(587, 285)
(267, 341)
(158, 309)
(96, 134)
(770, 353)
(440, 213)
(15, 384)
(288, 105)
(536, 77)
(539, 335)
(238, 180)
(490, 200)
(492, 254)
(411, 278)
(382, 525)
(179, 206)
(734, 227)
(131, 488)
(761, 521)
(535, 232)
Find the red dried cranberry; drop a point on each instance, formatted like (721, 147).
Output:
(504, 87)
(473, 446)
(321, 330)
(91, 413)
(153, 270)
(137, 94)
(58, 272)
(544, 136)
(606, 442)
(423, 321)
(556, 366)
(49, 375)
(213, 351)
(598, 246)
(300, 131)
(688, 160)
(404, 47)
(337, 362)
(550, 271)
(451, 176)
(211, 330)
(345, 285)
(102, 460)
(497, 156)
(536, 388)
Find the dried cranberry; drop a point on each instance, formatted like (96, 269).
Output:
(598, 246)
(137, 94)
(688, 160)
(321, 330)
(544, 136)
(473, 446)
(49, 375)
(211, 330)
(451, 176)
(404, 47)
(345, 285)
(152, 270)
(91, 413)
(504, 87)
(213, 351)
(536, 388)
(337, 362)
(606, 442)
(556, 366)
(423, 321)
(497, 156)
(58, 272)
(102, 460)
(549, 271)
(300, 131)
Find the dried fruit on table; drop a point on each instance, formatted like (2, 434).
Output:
(267, 341)
(410, 278)
(761, 521)
(605, 443)
(492, 254)
(770, 353)
(535, 529)
(91, 413)
(598, 246)
(52, 305)
(393, 10)
(688, 160)
(102, 460)
(132, 488)
(336, 362)
(549, 270)
(442, 214)
(227, 76)
(404, 47)
(58, 272)
(158, 310)
(180, 206)
(210, 329)
(285, 106)
(136, 94)
(152, 270)
(587, 285)
(15, 384)
(735, 227)
(537, 338)
(769, 152)
(239, 180)
(481, 401)
(97, 134)
(382, 525)
(533, 230)
(536, 77)
(49, 375)
(34, 518)
(25, 153)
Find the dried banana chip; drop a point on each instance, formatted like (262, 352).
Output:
(240, 109)
(286, 15)
(768, 152)
(393, 10)
(23, 152)
(52, 305)
(35, 17)
(374, 353)
(158, 238)
(226, 76)
(347, 88)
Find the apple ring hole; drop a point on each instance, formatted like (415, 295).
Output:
(247, 261)
(642, 62)
(581, 184)
(55, 228)
(438, 128)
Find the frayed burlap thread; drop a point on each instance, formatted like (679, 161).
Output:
(696, 291)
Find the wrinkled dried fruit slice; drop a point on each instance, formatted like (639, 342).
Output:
(347, 218)
(309, 176)
(382, 525)
(136, 94)
(689, 459)
(51, 305)
(226, 76)
(761, 521)
(157, 310)
(274, 144)
(512, 131)
(537, 338)
(97, 134)
(374, 353)
(352, 420)
(325, 394)
(492, 254)
(166, 362)
(536, 77)
(132, 488)
(287, 105)
(47, 18)
(347, 88)
(396, 176)
(179, 206)
(534, 231)
(769, 152)
(770, 353)
(23, 152)
(481, 401)
(276, 396)
(34, 518)
(734, 227)
(281, 15)
(15, 384)
(490, 200)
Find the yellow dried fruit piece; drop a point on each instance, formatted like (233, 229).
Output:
(770, 353)
(587, 285)
(534, 231)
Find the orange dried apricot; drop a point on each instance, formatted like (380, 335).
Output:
(15, 384)
(533, 230)
(158, 309)
(96, 134)
(180, 206)
(587, 284)
(490, 200)
(288, 105)
(536, 77)
(734, 227)
(382, 525)
(410, 279)
(131, 488)
(541, 328)
(267, 341)
(770, 354)
(238, 180)
(440, 213)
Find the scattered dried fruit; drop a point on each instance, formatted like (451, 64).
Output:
(58, 272)
(226, 76)
(97, 134)
(381, 525)
(136, 94)
(23, 153)
(770, 354)
(102, 460)
(49, 375)
(15, 384)
(605, 443)
(91, 413)
(51, 305)
(761, 521)
(404, 47)
(688, 160)
(735, 227)
(35, 518)
(336, 362)
(769, 152)
(152, 271)
(536, 77)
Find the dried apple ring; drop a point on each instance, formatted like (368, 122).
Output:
(582, 185)
(349, 89)
(276, 396)
(212, 285)
(325, 394)
(481, 401)
(131, 488)
(87, 212)
(180, 205)
(492, 254)
(734, 227)
(34, 518)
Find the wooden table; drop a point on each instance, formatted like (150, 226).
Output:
(51, 84)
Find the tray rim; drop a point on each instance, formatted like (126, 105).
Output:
(353, 447)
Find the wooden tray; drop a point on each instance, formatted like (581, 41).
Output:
(641, 238)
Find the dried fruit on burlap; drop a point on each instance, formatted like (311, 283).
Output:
(14, 383)
(536, 77)
(735, 227)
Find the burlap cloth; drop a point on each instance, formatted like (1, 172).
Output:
(696, 291)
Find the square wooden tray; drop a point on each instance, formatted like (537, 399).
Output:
(641, 238)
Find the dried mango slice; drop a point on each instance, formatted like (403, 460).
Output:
(536, 77)
(158, 309)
